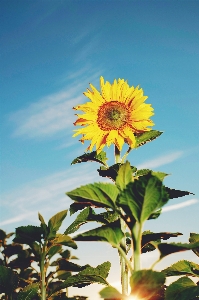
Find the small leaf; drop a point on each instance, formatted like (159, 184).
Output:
(147, 283)
(110, 233)
(55, 222)
(182, 267)
(110, 293)
(81, 219)
(65, 240)
(69, 266)
(176, 193)
(63, 275)
(110, 172)
(182, 289)
(93, 156)
(54, 250)
(74, 207)
(28, 234)
(29, 292)
(97, 194)
(8, 280)
(159, 175)
(124, 176)
(2, 235)
(146, 137)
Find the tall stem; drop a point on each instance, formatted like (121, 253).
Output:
(43, 273)
(137, 238)
(124, 266)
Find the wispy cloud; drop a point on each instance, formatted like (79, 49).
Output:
(161, 160)
(46, 195)
(180, 205)
(53, 113)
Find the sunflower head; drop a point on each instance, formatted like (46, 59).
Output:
(113, 116)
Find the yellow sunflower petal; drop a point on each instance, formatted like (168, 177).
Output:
(129, 136)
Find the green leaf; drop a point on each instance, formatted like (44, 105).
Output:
(86, 277)
(110, 233)
(104, 218)
(43, 225)
(65, 240)
(110, 172)
(63, 275)
(64, 264)
(166, 249)
(182, 289)
(124, 176)
(148, 236)
(81, 219)
(147, 283)
(194, 237)
(97, 194)
(28, 234)
(55, 222)
(2, 235)
(110, 293)
(146, 137)
(143, 197)
(74, 207)
(93, 156)
(29, 292)
(55, 249)
(8, 280)
(182, 267)
(159, 175)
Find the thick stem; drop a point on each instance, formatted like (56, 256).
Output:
(43, 273)
(137, 238)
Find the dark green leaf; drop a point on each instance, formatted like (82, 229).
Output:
(54, 250)
(110, 293)
(143, 197)
(182, 289)
(182, 267)
(55, 222)
(12, 249)
(166, 249)
(69, 266)
(28, 234)
(148, 236)
(146, 137)
(62, 275)
(93, 156)
(2, 235)
(176, 193)
(29, 292)
(66, 254)
(147, 283)
(8, 280)
(110, 172)
(110, 233)
(98, 194)
(74, 207)
(124, 176)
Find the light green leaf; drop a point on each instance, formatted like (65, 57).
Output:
(182, 289)
(29, 292)
(124, 176)
(8, 280)
(110, 292)
(55, 222)
(146, 137)
(55, 249)
(147, 283)
(143, 197)
(182, 267)
(159, 175)
(98, 194)
(93, 156)
(110, 233)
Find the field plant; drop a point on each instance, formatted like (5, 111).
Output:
(37, 264)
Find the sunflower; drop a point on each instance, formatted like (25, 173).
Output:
(114, 116)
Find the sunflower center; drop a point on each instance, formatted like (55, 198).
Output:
(112, 115)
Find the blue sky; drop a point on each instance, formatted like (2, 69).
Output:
(50, 51)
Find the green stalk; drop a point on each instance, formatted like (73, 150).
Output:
(43, 273)
(137, 238)
(124, 266)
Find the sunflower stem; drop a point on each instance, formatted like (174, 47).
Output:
(123, 263)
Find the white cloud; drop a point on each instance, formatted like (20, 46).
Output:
(161, 160)
(180, 205)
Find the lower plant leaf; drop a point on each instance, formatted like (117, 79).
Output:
(182, 289)
(182, 267)
(110, 293)
(29, 292)
(194, 237)
(166, 249)
(8, 280)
